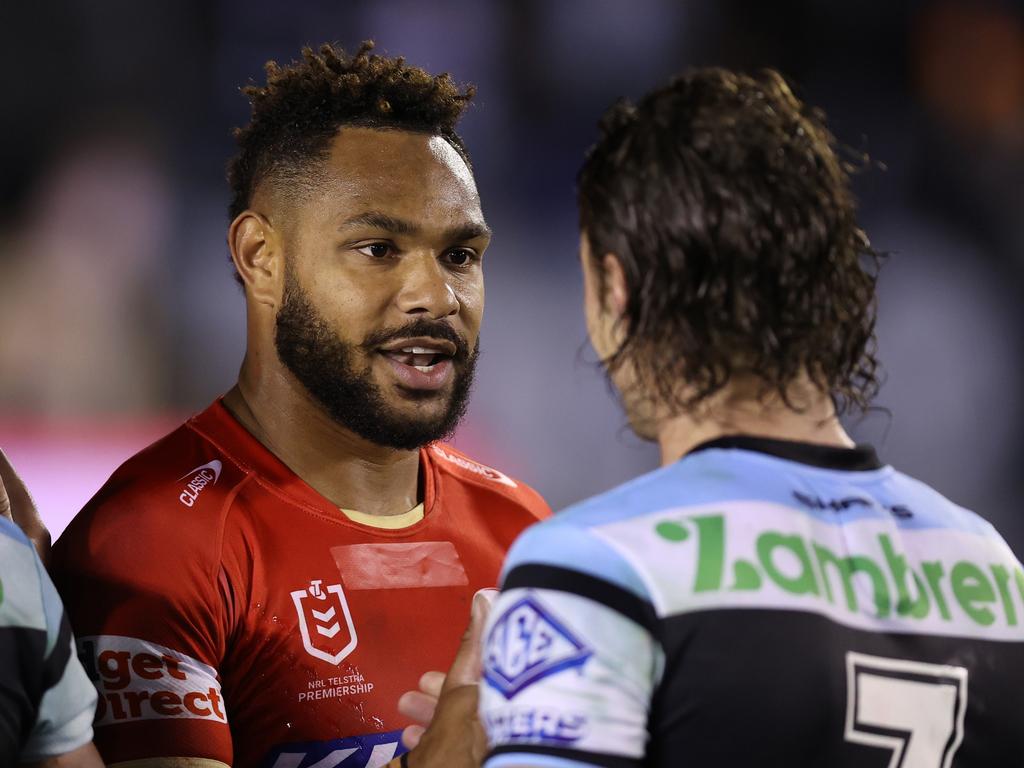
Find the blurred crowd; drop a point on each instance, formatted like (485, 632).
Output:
(120, 314)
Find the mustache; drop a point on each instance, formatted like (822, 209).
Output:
(435, 329)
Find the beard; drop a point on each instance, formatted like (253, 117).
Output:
(325, 365)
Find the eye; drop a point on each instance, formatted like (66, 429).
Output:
(376, 250)
(460, 257)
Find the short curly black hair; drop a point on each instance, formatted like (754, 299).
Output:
(725, 200)
(302, 106)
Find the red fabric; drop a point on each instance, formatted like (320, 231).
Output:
(178, 559)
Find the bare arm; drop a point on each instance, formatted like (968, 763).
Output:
(85, 756)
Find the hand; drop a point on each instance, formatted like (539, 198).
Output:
(454, 737)
(16, 504)
(420, 706)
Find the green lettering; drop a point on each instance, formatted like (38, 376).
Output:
(672, 531)
(934, 573)
(916, 608)
(710, 553)
(803, 583)
(1003, 584)
(828, 557)
(971, 587)
(848, 567)
(1018, 575)
(881, 589)
(746, 576)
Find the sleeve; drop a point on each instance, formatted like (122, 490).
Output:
(571, 656)
(144, 593)
(68, 703)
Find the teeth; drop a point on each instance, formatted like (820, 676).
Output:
(419, 351)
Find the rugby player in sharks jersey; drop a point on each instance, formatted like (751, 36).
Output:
(773, 595)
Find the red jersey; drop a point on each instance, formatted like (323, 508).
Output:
(226, 610)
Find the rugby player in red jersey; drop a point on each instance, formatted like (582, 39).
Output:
(260, 586)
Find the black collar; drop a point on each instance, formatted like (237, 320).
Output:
(858, 459)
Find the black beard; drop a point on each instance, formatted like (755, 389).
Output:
(323, 364)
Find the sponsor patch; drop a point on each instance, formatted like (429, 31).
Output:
(198, 480)
(528, 643)
(374, 750)
(325, 621)
(531, 725)
(140, 680)
(400, 565)
(480, 469)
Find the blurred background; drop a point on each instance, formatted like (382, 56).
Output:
(119, 316)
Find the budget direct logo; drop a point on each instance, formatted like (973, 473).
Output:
(866, 573)
(198, 479)
(528, 643)
(140, 680)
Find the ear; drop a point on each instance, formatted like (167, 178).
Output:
(256, 251)
(615, 294)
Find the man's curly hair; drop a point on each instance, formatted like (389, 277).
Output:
(300, 109)
(725, 201)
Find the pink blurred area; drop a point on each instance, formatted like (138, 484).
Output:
(64, 463)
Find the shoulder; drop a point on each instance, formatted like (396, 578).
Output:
(454, 467)
(932, 509)
(171, 497)
(22, 596)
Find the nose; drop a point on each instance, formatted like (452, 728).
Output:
(426, 288)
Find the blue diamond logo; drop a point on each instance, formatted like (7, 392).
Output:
(528, 643)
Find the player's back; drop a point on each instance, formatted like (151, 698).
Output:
(762, 603)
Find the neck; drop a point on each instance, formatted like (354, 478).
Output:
(347, 470)
(733, 413)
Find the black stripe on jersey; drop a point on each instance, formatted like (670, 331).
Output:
(593, 758)
(22, 677)
(862, 458)
(600, 591)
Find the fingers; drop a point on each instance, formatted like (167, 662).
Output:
(431, 683)
(411, 735)
(467, 667)
(417, 706)
(16, 496)
(16, 504)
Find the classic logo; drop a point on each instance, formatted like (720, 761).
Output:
(198, 479)
(325, 621)
(480, 469)
(526, 644)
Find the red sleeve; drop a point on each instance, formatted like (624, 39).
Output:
(140, 575)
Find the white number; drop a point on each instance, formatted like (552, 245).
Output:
(914, 709)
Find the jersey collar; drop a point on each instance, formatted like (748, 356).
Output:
(860, 458)
(220, 427)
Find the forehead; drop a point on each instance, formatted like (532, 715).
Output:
(413, 176)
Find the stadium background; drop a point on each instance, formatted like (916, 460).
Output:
(119, 316)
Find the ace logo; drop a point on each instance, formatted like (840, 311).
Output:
(528, 643)
(325, 621)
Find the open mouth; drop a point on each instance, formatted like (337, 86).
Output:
(422, 359)
(424, 363)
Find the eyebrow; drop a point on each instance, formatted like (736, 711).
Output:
(383, 221)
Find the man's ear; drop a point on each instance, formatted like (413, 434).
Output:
(615, 291)
(256, 251)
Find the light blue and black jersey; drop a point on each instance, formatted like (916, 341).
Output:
(46, 701)
(765, 603)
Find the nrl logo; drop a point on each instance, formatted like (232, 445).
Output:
(325, 622)
(527, 644)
